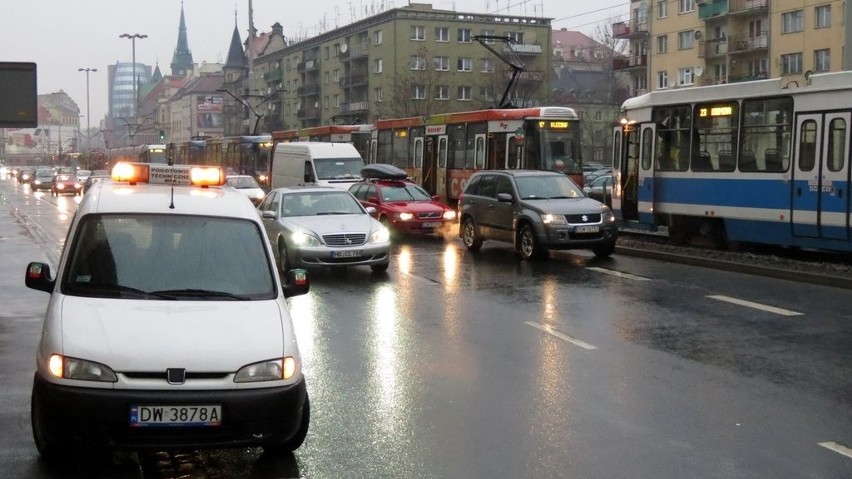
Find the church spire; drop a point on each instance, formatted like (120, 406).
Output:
(182, 64)
(236, 56)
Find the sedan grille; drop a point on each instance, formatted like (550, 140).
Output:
(345, 239)
(430, 214)
(582, 219)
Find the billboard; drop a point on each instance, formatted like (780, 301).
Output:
(18, 95)
(208, 109)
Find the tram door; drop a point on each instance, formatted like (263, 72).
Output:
(430, 164)
(821, 187)
(439, 157)
(627, 178)
(645, 185)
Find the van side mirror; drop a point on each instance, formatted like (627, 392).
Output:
(38, 277)
(296, 283)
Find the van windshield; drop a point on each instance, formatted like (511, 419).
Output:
(148, 256)
(338, 168)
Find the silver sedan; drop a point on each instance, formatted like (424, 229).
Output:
(323, 226)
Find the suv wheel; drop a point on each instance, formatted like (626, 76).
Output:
(603, 250)
(471, 240)
(528, 244)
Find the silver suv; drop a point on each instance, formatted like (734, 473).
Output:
(536, 211)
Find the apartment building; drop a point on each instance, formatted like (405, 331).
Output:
(682, 43)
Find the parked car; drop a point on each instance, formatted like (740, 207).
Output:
(600, 189)
(42, 179)
(536, 211)
(82, 175)
(247, 185)
(311, 226)
(66, 185)
(401, 205)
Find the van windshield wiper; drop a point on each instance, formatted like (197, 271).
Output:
(199, 293)
(114, 290)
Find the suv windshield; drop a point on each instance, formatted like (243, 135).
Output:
(547, 187)
(148, 256)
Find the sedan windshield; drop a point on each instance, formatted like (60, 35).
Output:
(404, 193)
(320, 203)
(547, 187)
(168, 257)
(242, 182)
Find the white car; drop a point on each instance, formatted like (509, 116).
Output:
(247, 185)
(167, 325)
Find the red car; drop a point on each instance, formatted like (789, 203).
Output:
(66, 185)
(401, 205)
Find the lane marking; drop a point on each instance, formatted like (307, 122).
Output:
(562, 336)
(762, 307)
(837, 448)
(618, 273)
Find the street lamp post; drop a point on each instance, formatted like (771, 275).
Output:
(88, 116)
(133, 42)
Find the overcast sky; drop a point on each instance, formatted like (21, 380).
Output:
(61, 36)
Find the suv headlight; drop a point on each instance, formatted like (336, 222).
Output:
(303, 238)
(607, 215)
(80, 369)
(551, 219)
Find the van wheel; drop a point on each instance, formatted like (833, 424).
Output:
(470, 238)
(283, 265)
(277, 446)
(528, 245)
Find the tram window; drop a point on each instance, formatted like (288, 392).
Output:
(807, 145)
(716, 126)
(456, 144)
(646, 148)
(836, 144)
(616, 149)
(480, 152)
(765, 134)
(400, 148)
(442, 152)
(673, 138)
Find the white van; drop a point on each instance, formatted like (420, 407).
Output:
(315, 163)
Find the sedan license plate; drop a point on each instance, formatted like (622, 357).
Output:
(350, 253)
(587, 229)
(432, 225)
(176, 416)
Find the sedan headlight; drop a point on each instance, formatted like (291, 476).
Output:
(73, 368)
(272, 370)
(381, 235)
(551, 219)
(303, 238)
(449, 215)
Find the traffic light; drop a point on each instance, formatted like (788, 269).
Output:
(162, 136)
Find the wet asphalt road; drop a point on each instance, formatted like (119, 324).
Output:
(460, 365)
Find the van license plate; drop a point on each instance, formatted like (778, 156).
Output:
(587, 229)
(346, 254)
(176, 416)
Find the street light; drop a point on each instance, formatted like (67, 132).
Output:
(133, 42)
(88, 116)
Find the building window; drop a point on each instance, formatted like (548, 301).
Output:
(335, 76)
(335, 52)
(822, 16)
(822, 60)
(685, 39)
(327, 78)
(487, 93)
(379, 65)
(662, 80)
(662, 9)
(488, 33)
(464, 93)
(464, 35)
(791, 63)
(793, 21)
(337, 101)
(442, 34)
(377, 94)
(418, 92)
(325, 102)
(327, 54)
(684, 76)
(465, 64)
(442, 63)
(662, 44)
(417, 63)
(758, 68)
(517, 37)
(418, 33)
(487, 65)
(377, 37)
(442, 92)
(687, 6)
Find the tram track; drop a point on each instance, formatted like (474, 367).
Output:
(805, 266)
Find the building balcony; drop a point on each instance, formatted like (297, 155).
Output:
(353, 81)
(522, 48)
(624, 30)
(744, 78)
(308, 113)
(712, 48)
(638, 60)
(356, 52)
(309, 90)
(307, 65)
(354, 107)
(745, 45)
(708, 9)
(272, 75)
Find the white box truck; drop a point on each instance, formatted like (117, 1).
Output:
(316, 163)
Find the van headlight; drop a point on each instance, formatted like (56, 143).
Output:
(80, 369)
(272, 370)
